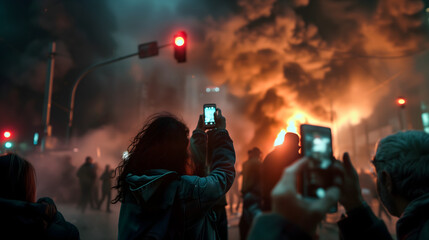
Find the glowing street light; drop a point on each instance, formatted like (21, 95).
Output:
(401, 102)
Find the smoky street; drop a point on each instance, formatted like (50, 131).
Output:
(215, 119)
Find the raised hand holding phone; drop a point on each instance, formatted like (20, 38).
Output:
(288, 203)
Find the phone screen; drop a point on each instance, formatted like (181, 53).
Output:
(316, 143)
(209, 118)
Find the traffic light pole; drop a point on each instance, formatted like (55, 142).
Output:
(73, 93)
(79, 79)
(48, 97)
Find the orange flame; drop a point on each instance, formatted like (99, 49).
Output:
(292, 126)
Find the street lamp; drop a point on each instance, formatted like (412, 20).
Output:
(401, 103)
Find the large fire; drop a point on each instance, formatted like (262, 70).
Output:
(293, 124)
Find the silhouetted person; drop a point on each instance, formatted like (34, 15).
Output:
(159, 201)
(106, 187)
(251, 191)
(402, 165)
(87, 176)
(21, 216)
(274, 164)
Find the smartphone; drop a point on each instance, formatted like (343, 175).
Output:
(209, 111)
(316, 143)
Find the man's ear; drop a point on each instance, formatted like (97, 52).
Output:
(386, 180)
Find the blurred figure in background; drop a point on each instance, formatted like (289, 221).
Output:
(274, 164)
(87, 175)
(21, 216)
(251, 191)
(106, 187)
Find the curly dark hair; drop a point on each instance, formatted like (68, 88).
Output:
(162, 143)
(17, 178)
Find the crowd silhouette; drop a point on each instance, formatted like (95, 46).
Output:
(172, 186)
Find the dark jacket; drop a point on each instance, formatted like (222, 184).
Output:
(412, 225)
(41, 220)
(251, 176)
(87, 174)
(106, 179)
(361, 223)
(189, 199)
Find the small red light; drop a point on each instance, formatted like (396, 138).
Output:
(401, 101)
(179, 41)
(7, 134)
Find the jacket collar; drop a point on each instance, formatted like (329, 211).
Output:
(415, 214)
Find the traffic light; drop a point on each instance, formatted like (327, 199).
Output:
(400, 101)
(7, 139)
(180, 42)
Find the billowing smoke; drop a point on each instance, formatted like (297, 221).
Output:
(324, 58)
(332, 62)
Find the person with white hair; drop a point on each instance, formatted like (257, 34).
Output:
(402, 165)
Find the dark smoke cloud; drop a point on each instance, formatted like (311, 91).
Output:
(83, 32)
(315, 54)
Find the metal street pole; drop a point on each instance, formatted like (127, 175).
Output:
(47, 131)
(73, 93)
(145, 50)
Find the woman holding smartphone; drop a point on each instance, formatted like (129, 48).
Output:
(159, 199)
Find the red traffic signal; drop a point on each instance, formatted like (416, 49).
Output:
(401, 101)
(180, 42)
(7, 134)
